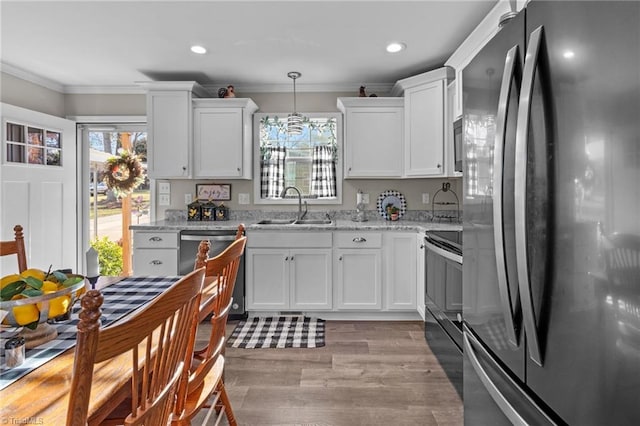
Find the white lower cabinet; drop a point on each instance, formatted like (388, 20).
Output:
(155, 253)
(358, 275)
(400, 270)
(358, 279)
(341, 271)
(283, 278)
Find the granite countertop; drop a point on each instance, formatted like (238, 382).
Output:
(337, 225)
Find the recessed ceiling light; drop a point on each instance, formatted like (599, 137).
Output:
(199, 50)
(396, 47)
(568, 54)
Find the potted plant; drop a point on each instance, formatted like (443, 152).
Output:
(392, 211)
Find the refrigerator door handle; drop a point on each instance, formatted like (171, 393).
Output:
(505, 406)
(520, 198)
(498, 223)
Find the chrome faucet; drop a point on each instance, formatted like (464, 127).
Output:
(301, 214)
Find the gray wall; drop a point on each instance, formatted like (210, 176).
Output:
(35, 97)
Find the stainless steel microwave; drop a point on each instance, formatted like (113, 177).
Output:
(457, 144)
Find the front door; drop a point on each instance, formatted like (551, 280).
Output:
(38, 181)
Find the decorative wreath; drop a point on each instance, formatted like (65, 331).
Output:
(124, 173)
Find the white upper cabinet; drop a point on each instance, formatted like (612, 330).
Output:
(425, 126)
(192, 136)
(373, 129)
(222, 137)
(169, 127)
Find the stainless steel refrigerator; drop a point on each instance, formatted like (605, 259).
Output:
(551, 241)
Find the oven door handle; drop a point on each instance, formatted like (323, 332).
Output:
(442, 252)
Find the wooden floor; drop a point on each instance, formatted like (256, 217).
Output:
(369, 373)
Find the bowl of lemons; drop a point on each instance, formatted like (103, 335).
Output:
(34, 296)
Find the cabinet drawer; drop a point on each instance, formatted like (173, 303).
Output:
(358, 239)
(155, 262)
(155, 240)
(290, 239)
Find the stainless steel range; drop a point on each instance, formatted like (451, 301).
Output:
(443, 300)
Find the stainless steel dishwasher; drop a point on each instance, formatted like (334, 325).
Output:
(219, 240)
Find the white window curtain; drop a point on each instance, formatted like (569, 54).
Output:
(323, 172)
(272, 171)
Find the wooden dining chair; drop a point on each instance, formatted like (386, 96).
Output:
(15, 246)
(205, 246)
(204, 378)
(156, 338)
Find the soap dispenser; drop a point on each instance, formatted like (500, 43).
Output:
(360, 213)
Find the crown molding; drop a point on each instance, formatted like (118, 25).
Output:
(31, 77)
(301, 87)
(137, 88)
(133, 89)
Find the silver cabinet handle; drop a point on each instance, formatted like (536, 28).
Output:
(291, 257)
(156, 262)
(520, 198)
(286, 258)
(359, 240)
(506, 407)
(340, 258)
(238, 168)
(421, 246)
(155, 239)
(512, 59)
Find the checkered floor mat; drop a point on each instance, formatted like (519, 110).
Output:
(278, 332)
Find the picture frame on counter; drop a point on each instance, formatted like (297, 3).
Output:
(213, 192)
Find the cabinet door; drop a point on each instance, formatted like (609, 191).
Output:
(358, 279)
(424, 127)
(373, 142)
(400, 271)
(160, 262)
(267, 279)
(217, 143)
(169, 132)
(311, 279)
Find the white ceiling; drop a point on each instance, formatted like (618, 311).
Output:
(91, 46)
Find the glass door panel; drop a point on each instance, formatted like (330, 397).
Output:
(109, 214)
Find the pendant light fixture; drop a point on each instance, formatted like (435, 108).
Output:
(294, 121)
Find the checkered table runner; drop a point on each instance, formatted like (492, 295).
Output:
(119, 299)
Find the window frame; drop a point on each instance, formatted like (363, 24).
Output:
(257, 199)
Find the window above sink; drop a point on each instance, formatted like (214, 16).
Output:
(311, 161)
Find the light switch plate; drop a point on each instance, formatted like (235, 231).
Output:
(164, 188)
(425, 198)
(188, 198)
(365, 198)
(243, 198)
(164, 199)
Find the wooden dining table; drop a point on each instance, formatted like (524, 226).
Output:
(41, 396)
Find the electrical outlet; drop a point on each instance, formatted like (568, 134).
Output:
(243, 198)
(164, 188)
(164, 200)
(188, 198)
(365, 198)
(425, 198)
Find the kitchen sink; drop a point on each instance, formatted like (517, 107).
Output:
(313, 222)
(276, 222)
